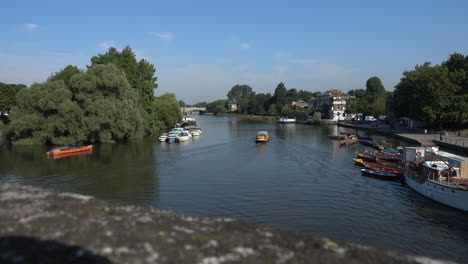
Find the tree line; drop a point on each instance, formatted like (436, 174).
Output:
(112, 100)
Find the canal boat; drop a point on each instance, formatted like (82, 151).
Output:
(68, 151)
(262, 136)
(163, 137)
(439, 176)
(381, 175)
(366, 155)
(286, 120)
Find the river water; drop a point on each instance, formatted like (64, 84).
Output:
(300, 180)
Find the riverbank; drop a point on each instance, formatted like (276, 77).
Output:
(453, 142)
(57, 227)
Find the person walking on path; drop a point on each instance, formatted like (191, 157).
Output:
(425, 131)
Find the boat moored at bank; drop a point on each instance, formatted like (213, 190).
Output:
(68, 150)
(440, 176)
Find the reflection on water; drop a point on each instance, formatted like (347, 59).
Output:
(299, 180)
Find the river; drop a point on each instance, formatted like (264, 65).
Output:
(300, 180)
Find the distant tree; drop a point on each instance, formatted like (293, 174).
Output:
(304, 95)
(315, 94)
(358, 93)
(242, 94)
(181, 103)
(201, 104)
(65, 74)
(8, 96)
(217, 107)
(286, 110)
(374, 89)
(280, 97)
(272, 110)
(358, 105)
(292, 95)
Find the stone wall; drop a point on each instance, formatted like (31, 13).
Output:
(43, 226)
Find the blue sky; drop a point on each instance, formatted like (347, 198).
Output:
(203, 48)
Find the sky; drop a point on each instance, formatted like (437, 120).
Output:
(202, 48)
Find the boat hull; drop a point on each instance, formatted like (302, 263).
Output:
(381, 175)
(69, 151)
(446, 195)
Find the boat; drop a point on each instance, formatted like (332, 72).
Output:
(369, 138)
(366, 142)
(366, 155)
(163, 137)
(349, 141)
(171, 137)
(340, 137)
(378, 167)
(184, 136)
(395, 157)
(359, 162)
(287, 120)
(195, 131)
(439, 176)
(262, 136)
(381, 175)
(68, 151)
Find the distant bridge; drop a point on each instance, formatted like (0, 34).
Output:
(193, 109)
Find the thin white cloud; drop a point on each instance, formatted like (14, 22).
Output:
(31, 27)
(245, 46)
(166, 37)
(106, 44)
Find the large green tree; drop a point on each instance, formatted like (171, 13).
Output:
(65, 74)
(167, 111)
(98, 106)
(431, 93)
(140, 74)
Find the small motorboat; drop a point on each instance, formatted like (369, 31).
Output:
(286, 120)
(171, 137)
(68, 151)
(184, 136)
(381, 175)
(262, 136)
(163, 137)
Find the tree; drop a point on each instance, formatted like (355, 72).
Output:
(65, 74)
(358, 93)
(98, 106)
(374, 89)
(286, 110)
(8, 96)
(292, 95)
(217, 107)
(181, 103)
(167, 111)
(242, 94)
(272, 110)
(140, 74)
(304, 95)
(280, 96)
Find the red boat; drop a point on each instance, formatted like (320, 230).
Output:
(66, 151)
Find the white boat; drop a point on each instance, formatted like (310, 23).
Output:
(184, 136)
(287, 120)
(195, 131)
(442, 176)
(176, 130)
(163, 137)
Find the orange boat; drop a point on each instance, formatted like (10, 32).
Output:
(262, 136)
(66, 151)
(378, 167)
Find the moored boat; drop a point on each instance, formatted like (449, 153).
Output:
(262, 136)
(348, 141)
(184, 136)
(287, 120)
(442, 176)
(163, 137)
(374, 166)
(68, 151)
(381, 175)
(171, 137)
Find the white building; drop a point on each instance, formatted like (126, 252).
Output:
(331, 102)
